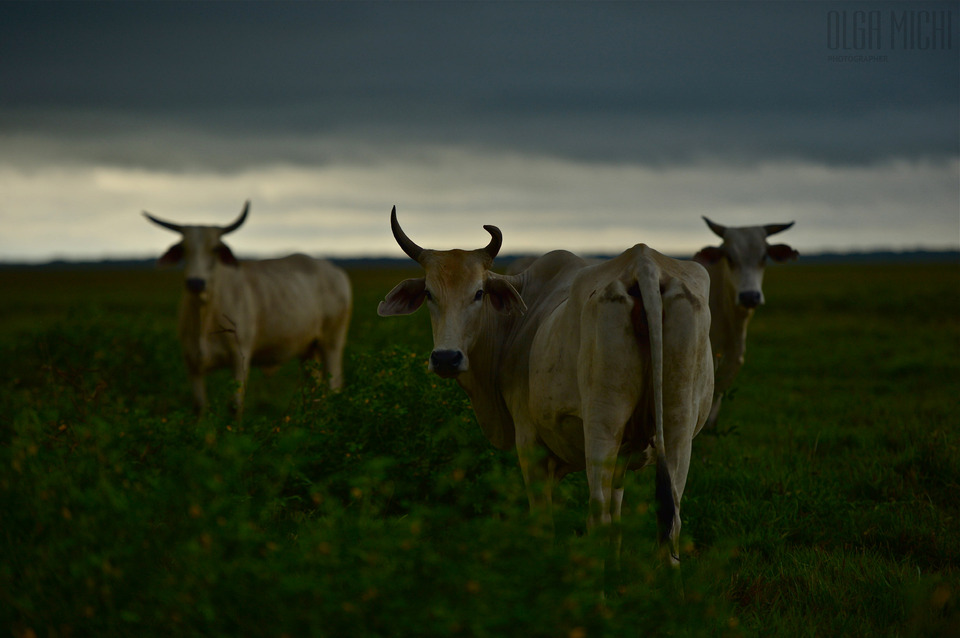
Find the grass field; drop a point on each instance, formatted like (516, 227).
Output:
(828, 503)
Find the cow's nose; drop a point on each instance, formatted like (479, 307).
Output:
(750, 298)
(196, 285)
(446, 363)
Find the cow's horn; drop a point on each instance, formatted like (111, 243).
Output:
(496, 240)
(717, 229)
(412, 250)
(235, 225)
(776, 228)
(159, 222)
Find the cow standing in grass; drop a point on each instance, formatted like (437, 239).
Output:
(240, 313)
(736, 276)
(597, 368)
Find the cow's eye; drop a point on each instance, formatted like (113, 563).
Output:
(479, 295)
(428, 295)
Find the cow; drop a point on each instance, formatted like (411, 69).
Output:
(520, 264)
(240, 313)
(597, 368)
(736, 274)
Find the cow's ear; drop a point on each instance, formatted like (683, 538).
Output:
(503, 296)
(709, 255)
(781, 252)
(173, 255)
(406, 297)
(225, 255)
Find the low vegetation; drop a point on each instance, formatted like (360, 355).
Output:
(827, 502)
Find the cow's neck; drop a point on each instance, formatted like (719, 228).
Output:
(728, 329)
(738, 314)
(203, 315)
(482, 381)
(200, 307)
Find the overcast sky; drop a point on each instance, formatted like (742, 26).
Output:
(585, 126)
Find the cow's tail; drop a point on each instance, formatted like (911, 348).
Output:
(648, 280)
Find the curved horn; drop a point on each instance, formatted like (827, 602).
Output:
(717, 229)
(496, 240)
(776, 228)
(412, 250)
(235, 225)
(159, 222)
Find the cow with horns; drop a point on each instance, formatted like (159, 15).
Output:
(240, 313)
(736, 276)
(597, 368)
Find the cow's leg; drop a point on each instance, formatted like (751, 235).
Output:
(726, 372)
(678, 464)
(609, 376)
(601, 468)
(241, 371)
(687, 395)
(332, 360)
(328, 353)
(318, 371)
(601, 453)
(616, 505)
(539, 471)
(199, 389)
(335, 353)
(684, 412)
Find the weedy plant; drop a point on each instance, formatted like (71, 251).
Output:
(829, 507)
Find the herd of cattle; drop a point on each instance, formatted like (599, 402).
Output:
(596, 366)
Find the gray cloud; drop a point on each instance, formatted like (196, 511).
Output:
(636, 82)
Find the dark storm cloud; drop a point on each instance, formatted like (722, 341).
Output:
(656, 83)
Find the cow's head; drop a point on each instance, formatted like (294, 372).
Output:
(459, 290)
(201, 250)
(745, 252)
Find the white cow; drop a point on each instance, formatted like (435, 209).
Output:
(736, 276)
(581, 367)
(241, 313)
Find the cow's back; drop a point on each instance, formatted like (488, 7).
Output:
(296, 301)
(546, 286)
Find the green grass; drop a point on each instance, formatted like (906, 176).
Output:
(827, 505)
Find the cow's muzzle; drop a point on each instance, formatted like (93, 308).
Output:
(750, 298)
(196, 285)
(447, 363)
